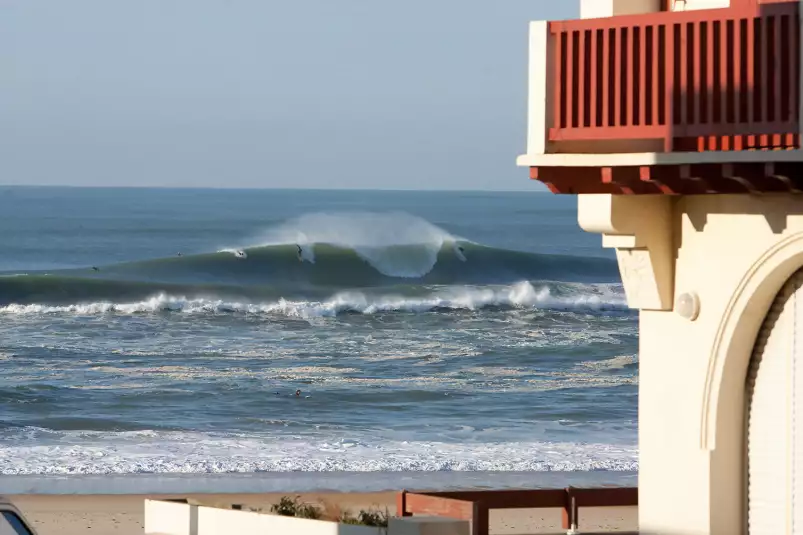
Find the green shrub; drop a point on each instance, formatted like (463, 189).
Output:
(309, 511)
(291, 507)
(286, 507)
(348, 518)
(373, 518)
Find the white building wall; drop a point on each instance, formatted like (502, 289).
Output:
(688, 5)
(592, 9)
(734, 252)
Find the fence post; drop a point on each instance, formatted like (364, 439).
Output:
(570, 512)
(480, 521)
(401, 504)
(566, 513)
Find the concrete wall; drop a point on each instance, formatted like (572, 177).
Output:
(734, 252)
(170, 518)
(213, 521)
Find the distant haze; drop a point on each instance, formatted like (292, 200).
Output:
(416, 94)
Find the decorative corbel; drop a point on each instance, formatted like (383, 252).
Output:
(639, 227)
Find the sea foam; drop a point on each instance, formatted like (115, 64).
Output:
(83, 452)
(520, 295)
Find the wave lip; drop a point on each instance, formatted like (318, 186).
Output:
(520, 295)
(396, 244)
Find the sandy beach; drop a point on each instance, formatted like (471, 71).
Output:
(123, 514)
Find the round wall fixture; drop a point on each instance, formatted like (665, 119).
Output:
(688, 306)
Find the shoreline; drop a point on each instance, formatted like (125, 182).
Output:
(122, 514)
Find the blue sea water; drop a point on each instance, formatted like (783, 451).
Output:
(437, 338)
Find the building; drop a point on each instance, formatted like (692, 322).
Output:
(677, 123)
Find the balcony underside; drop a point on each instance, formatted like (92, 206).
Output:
(680, 179)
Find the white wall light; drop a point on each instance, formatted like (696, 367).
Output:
(688, 306)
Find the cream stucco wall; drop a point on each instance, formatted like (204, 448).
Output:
(688, 5)
(592, 9)
(735, 252)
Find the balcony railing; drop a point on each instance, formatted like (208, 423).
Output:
(718, 79)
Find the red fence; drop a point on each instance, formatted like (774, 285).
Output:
(717, 79)
(475, 505)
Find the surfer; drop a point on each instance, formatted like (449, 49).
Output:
(298, 393)
(458, 250)
(180, 253)
(240, 254)
(300, 253)
(94, 268)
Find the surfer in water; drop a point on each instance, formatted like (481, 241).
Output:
(241, 254)
(459, 251)
(95, 268)
(300, 253)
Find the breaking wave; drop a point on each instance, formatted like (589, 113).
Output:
(318, 265)
(142, 452)
(523, 294)
(394, 244)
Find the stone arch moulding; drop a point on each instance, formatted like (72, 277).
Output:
(738, 328)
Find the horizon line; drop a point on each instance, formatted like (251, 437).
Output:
(268, 188)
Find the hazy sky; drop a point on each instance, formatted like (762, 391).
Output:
(262, 93)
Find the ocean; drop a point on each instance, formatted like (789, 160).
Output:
(154, 340)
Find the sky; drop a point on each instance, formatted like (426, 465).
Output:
(368, 94)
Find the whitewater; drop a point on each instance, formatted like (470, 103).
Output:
(430, 334)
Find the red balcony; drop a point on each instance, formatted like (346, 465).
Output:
(724, 79)
(716, 80)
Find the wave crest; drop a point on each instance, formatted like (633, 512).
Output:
(396, 244)
(338, 252)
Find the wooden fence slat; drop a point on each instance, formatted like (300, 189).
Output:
(416, 503)
(738, 86)
(510, 499)
(787, 74)
(654, 59)
(724, 79)
(593, 75)
(763, 61)
(642, 88)
(606, 78)
(708, 117)
(558, 94)
(681, 48)
(750, 68)
(696, 50)
(777, 46)
(569, 94)
(617, 77)
(582, 79)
